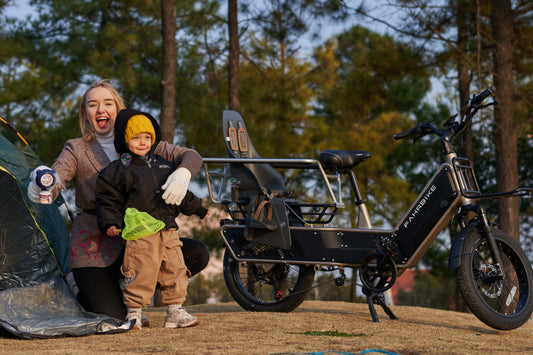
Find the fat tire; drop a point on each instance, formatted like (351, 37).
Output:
(260, 296)
(501, 304)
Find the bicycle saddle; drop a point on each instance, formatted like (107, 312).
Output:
(342, 159)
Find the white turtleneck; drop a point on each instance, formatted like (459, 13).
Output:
(106, 141)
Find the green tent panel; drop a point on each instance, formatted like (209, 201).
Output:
(35, 300)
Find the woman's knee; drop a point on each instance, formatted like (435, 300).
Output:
(196, 255)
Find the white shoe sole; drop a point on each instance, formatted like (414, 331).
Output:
(175, 325)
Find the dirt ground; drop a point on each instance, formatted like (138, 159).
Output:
(315, 327)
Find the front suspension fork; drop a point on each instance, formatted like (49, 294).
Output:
(487, 232)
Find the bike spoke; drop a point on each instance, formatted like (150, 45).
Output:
(502, 294)
(266, 285)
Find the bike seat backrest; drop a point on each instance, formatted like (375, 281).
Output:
(250, 177)
(334, 159)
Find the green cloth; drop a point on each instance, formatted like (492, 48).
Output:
(140, 224)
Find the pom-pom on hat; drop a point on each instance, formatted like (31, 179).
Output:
(139, 124)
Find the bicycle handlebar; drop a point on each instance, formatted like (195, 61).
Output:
(407, 133)
(428, 127)
(477, 99)
(421, 129)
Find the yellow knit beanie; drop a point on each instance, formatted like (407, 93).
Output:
(139, 124)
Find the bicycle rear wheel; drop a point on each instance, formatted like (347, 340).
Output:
(267, 287)
(502, 302)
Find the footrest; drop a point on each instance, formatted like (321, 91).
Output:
(312, 213)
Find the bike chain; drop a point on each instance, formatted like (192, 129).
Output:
(324, 283)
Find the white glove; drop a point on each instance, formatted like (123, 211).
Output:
(176, 186)
(33, 192)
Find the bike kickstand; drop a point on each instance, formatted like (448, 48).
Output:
(373, 297)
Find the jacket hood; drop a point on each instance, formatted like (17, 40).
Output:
(121, 122)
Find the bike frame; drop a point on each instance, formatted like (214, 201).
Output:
(332, 246)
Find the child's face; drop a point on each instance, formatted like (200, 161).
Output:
(140, 144)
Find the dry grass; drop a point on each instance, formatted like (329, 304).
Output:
(314, 327)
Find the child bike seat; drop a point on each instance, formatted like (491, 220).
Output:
(250, 177)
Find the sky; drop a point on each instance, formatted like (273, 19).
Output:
(19, 10)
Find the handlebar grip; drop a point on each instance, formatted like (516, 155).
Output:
(476, 100)
(407, 133)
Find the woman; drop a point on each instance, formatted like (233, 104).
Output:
(95, 258)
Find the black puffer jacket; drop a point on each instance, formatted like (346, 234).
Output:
(135, 181)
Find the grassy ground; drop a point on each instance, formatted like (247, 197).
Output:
(315, 327)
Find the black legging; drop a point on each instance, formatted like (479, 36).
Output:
(100, 288)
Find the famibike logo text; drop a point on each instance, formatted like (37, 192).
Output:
(419, 206)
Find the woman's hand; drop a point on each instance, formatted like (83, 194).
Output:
(33, 192)
(37, 192)
(176, 186)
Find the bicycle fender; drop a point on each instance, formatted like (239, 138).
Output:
(455, 251)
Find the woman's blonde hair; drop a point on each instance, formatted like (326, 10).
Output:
(87, 130)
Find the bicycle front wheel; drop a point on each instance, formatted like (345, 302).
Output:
(503, 302)
(267, 287)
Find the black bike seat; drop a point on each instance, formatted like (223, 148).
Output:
(342, 159)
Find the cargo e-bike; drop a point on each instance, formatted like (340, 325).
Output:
(275, 243)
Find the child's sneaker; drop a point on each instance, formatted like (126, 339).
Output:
(177, 317)
(135, 314)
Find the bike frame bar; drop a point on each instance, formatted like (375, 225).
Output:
(276, 163)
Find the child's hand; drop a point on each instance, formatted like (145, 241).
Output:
(113, 231)
(207, 214)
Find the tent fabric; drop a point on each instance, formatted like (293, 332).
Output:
(49, 310)
(35, 300)
(19, 163)
(25, 257)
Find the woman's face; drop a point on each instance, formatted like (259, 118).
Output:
(101, 110)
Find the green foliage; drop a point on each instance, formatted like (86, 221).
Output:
(430, 291)
(202, 288)
(210, 237)
(362, 101)
(434, 284)
(276, 100)
(328, 290)
(366, 83)
(198, 291)
(67, 45)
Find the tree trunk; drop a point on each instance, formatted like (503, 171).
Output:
(464, 93)
(168, 72)
(464, 76)
(505, 130)
(234, 54)
(168, 85)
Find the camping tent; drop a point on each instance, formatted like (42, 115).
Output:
(35, 300)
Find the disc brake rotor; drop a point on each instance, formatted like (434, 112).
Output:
(488, 275)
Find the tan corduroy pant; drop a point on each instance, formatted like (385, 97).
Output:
(152, 259)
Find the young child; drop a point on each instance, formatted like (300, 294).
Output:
(135, 182)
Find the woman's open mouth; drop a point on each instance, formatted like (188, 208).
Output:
(102, 122)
